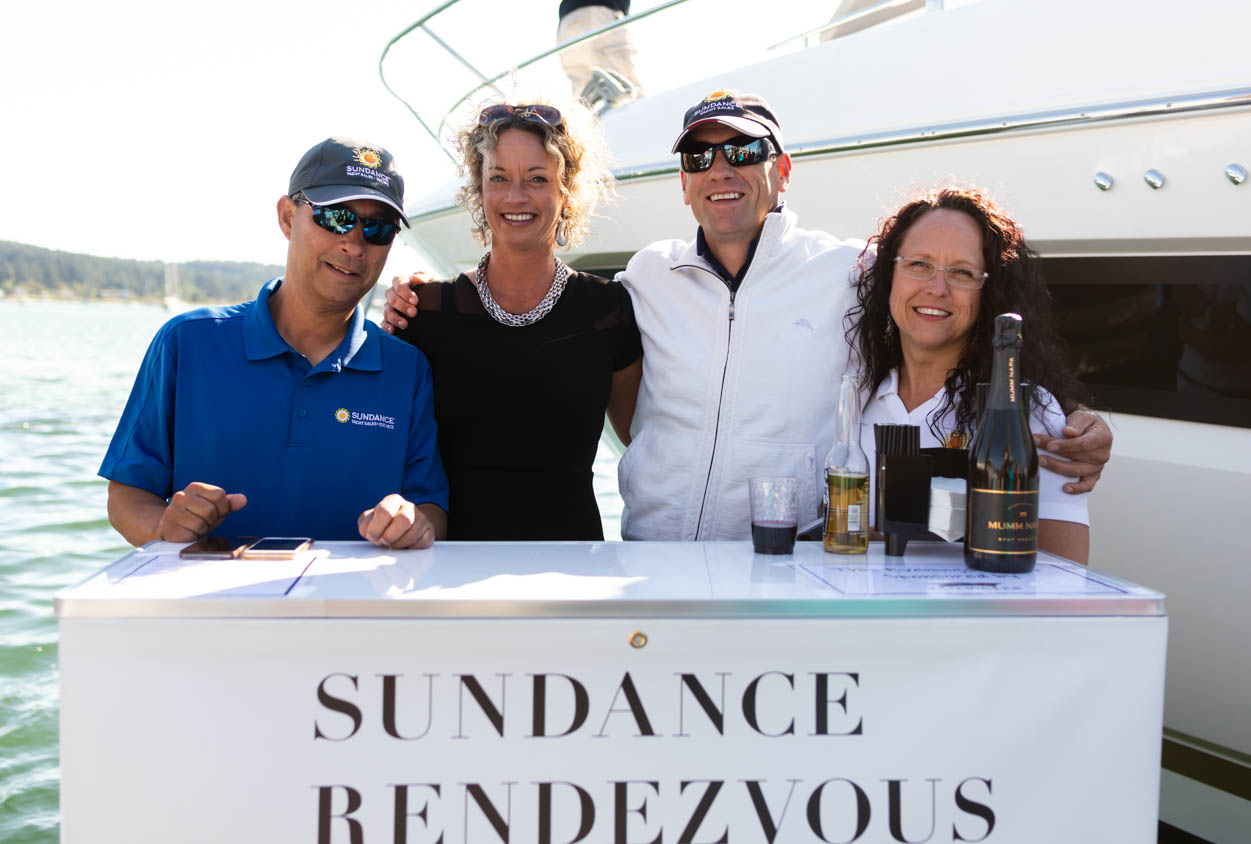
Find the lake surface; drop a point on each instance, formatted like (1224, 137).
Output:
(69, 370)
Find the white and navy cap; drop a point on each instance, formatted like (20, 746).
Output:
(746, 113)
(341, 169)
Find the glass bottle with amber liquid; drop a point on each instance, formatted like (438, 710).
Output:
(847, 479)
(1001, 529)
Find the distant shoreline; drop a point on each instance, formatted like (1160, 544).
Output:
(78, 300)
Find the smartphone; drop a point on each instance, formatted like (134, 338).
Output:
(277, 548)
(217, 548)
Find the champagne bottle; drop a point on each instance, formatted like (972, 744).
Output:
(847, 479)
(1001, 531)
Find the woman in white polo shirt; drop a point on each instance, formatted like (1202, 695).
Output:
(946, 264)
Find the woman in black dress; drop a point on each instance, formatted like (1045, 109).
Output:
(527, 355)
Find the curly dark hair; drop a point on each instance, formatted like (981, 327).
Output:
(1015, 284)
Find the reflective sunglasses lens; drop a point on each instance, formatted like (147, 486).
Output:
(343, 220)
(337, 220)
(744, 155)
(493, 113)
(698, 162)
(547, 114)
(379, 232)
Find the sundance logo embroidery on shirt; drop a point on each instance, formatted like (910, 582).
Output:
(369, 420)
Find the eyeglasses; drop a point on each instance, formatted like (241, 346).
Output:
(340, 219)
(697, 158)
(536, 113)
(923, 270)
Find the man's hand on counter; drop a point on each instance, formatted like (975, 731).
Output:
(396, 522)
(195, 511)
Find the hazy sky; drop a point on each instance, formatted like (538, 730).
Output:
(167, 130)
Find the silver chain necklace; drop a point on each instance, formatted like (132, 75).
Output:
(531, 316)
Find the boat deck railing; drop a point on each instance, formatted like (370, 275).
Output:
(859, 18)
(485, 81)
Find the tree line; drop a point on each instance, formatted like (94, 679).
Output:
(34, 271)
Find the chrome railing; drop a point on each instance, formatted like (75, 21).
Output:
(898, 6)
(485, 81)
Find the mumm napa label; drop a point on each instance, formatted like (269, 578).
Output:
(1010, 518)
(686, 801)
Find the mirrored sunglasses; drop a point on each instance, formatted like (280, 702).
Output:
(697, 157)
(537, 113)
(340, 219)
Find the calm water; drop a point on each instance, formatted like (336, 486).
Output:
(68, 370)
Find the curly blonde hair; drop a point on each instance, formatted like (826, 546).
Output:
(577, 143)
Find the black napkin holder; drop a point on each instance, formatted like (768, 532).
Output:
(903, 493)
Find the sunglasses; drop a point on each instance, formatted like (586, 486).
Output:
(340, 219)
(697, 157)
(538, 113)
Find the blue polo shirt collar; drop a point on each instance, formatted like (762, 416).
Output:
(360, 349)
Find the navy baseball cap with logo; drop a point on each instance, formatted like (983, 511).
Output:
(341, 169)
(746, 113)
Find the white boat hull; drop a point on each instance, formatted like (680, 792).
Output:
(1034, 102)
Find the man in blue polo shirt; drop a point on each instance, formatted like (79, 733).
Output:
(290, 415)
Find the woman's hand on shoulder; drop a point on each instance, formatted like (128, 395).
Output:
(402, 301)
(1081, 453)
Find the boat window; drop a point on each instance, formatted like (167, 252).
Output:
(1160, 336)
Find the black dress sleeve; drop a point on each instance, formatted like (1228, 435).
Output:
(622, 331)
(424, 333)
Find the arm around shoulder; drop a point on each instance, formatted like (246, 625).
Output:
(1083, 450)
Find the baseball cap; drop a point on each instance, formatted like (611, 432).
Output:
(747, 113)
(341, 169)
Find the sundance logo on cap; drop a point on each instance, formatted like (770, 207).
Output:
(369, 157)
(372, 160)
(341, 169)
(716, 102)
(748, 114)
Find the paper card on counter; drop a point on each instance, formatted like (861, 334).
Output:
(956, 579)
(166, 575)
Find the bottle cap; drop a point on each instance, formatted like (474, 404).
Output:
(1007, 330)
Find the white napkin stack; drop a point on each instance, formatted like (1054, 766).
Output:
(947, 503)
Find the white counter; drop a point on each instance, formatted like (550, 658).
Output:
(607, 692)
(593, 579)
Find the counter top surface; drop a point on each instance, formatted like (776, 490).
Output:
(593, 579)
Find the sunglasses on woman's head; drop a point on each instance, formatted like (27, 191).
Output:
(340, 219)
(697, 156)
(537, 113)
